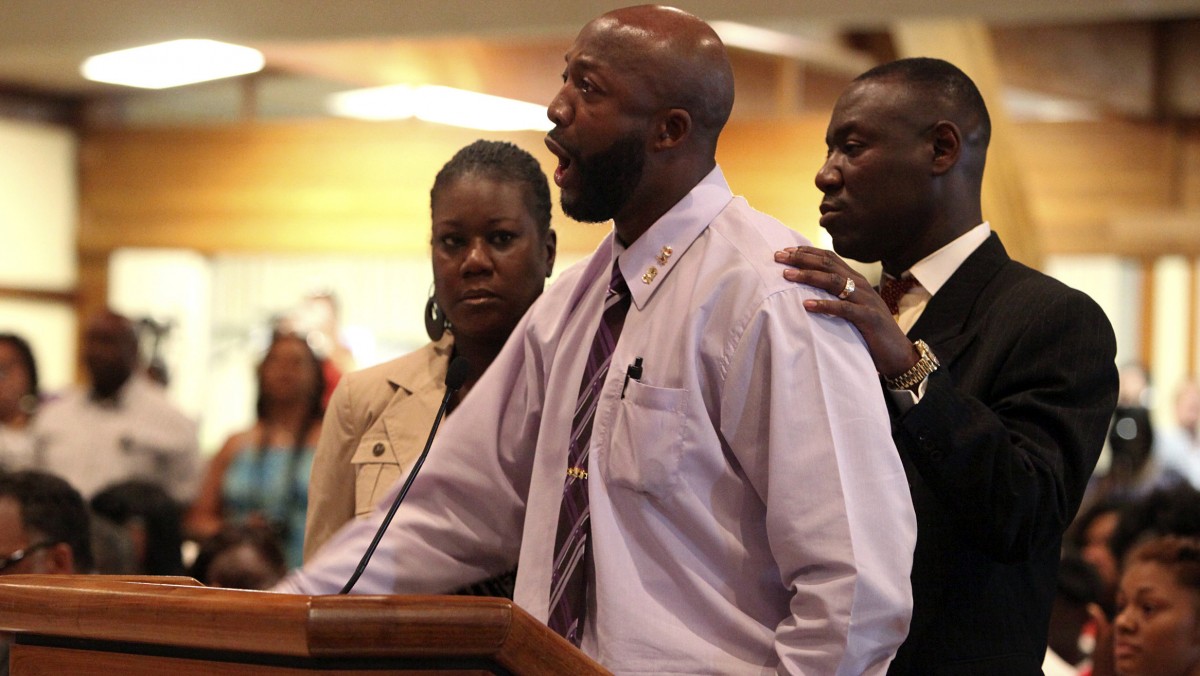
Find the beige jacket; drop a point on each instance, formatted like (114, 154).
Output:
(375, 427)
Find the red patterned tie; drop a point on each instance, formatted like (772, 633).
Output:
(894, 288)
(568, 581)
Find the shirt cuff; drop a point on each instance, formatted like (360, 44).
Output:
(906, 399)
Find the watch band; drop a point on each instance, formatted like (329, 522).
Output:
(927, 363)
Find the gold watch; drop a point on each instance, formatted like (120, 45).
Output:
(926, 364)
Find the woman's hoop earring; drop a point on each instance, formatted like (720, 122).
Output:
(435, 320)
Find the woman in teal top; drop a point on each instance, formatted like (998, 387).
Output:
(261, 474)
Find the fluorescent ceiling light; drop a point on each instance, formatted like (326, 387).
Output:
(393, 102)
(171, 64)
(444, 105)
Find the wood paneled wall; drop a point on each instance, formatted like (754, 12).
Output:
(1113, 187)
(1189, 166)
(773, 164)
(297, 187)
(358, 187)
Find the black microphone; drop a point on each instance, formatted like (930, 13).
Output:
(456, 375)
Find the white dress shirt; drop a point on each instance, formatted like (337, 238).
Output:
(16, 448)
(1177, 450)
(931, 273)
(138, 434)
(749, 512)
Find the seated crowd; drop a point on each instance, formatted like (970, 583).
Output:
(103, 479)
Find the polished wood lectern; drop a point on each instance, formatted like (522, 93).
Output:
(175, 626)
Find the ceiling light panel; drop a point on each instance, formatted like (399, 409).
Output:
(172, 64)
(443, 105)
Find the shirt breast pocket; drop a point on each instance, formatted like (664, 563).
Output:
(647, 440)
(375, 471)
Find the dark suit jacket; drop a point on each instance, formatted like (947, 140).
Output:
(998, 453)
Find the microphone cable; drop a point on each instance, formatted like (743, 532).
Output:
(456, 375)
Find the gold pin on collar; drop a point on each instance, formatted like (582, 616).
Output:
(651, 273)
(664, 255)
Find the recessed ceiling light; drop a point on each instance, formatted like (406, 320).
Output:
(444, 105)
(173, 63)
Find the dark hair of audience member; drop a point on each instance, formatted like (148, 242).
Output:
(1089, 538)
(52, 508)
(216, 564)
(1078, 585)
(112, 549)
(1166, 511)
(1077, 581)
(501, 161)
(1076, 535)
(1177, 553)
(25, 354)
(154, 520)
(316, 407)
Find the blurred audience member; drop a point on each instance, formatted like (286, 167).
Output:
(1165, 511)
(122, 426)
(323, 319)
(261, 475)
(1131, 436)
(245, 556)
(150, 519)
(1157, 628)
(18, 401)
(1177, 447)
(44, 529)
(492, 252)
(1171, 512)
(1089, 538)
(112, 548)
(1078, 586)
(44, 525)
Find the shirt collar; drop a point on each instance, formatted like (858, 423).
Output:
(933, 270)
(649, 260)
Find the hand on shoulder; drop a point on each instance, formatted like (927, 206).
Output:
(855, 301)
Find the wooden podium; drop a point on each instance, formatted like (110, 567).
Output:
(177, 627)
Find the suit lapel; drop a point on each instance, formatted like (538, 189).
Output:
(417, 396)
(945, 324)
(402, 410)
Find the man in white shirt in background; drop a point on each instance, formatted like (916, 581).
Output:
(1177, 447)
(746, 508)
(122, 426)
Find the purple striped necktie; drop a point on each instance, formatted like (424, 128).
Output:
(568, 582)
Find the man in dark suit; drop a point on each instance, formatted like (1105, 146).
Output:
(1000, 393)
